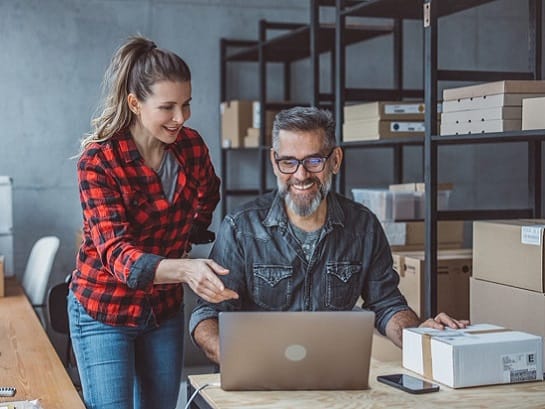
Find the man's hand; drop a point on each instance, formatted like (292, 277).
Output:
(443, 320)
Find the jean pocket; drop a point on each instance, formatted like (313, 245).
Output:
(342, 291)
(272, 286)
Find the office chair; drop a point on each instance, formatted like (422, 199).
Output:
(57, 305)
(38, 270)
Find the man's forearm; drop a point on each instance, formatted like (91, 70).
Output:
(400, 320)
(206, 335)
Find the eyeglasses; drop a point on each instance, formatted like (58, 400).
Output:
(312, 164)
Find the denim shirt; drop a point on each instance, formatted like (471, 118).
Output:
(268, 268)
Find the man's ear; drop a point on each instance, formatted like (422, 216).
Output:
(337, 159)
(133, 103)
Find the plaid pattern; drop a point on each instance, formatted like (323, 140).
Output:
(129, 226)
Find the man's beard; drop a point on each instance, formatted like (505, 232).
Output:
(305, 204)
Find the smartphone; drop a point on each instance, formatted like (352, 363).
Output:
(408, 383)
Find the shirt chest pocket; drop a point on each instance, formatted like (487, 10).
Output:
(342, 285)
(142, 211)
(272, 286)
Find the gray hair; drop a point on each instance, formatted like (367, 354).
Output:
(304, 119)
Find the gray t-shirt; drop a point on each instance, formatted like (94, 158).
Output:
(168, 172)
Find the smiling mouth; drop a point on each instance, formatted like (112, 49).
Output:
(172, 130)
(302, 186)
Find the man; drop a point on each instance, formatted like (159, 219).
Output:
(304, 247)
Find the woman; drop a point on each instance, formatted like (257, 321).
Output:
(146, 183)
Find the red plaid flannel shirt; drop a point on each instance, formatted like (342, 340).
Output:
(129, 226)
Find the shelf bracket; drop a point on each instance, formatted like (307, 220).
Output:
(427, 14)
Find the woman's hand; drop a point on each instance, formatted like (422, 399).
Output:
(201, 275)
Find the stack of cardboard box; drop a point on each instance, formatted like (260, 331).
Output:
(251, 140)
(400, 211)
(240, 121)
(489, 107)
(381, 120)
(453, 272)
(508, 283)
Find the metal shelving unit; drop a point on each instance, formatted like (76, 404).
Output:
(299, 41)
(429, 12)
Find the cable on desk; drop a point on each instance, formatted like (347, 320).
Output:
(200, 388)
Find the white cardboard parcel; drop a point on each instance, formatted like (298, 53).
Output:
(482, 354)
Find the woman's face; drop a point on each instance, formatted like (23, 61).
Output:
(163, 113)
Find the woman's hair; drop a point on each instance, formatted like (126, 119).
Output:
(134, 68)
(304, 119)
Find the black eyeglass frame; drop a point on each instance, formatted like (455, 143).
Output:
(302, 162)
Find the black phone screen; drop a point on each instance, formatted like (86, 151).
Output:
(408, 383)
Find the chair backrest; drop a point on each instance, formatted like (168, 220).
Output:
(38, 269)
(57, 307)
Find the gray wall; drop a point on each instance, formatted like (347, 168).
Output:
(53, 55)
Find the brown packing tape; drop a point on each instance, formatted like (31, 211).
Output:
(426, 356)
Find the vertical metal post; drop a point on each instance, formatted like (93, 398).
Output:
(262, 105)
(534, 177)
(430, 157)
(535, 39)
(223, 98)
(287, 81)
(223, 188)
(314, 55)
(340, 21)
(398, 55)
(398, 163)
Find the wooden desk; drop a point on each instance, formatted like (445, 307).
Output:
(522, 395)
(28, 360)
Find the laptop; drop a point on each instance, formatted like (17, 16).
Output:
(304, 350)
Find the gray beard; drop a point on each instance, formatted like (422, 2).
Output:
(305, 209)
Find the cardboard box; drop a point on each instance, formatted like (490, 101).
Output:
(256, 117)
(510, 252)
(478, 355)
(443, 196)
(236, 118)
(410, 235)
(251, 140)
(487, 102)
(6, 249)
(481, 115)
(493, 88)
(453, 272)
(6, 205)
(510, 307)
(388, 110)
(2, 277)
(362, 130)
(386, 204)
(533, 113)
(384, 350)
(497, 125)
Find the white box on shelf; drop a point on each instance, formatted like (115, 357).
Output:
(6, 205)
(386, 205)
(6, 250)
(481, 354)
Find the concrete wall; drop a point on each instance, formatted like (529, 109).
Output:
(53, 55)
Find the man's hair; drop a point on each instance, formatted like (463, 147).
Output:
(304, 119)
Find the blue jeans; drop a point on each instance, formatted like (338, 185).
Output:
(125, 367)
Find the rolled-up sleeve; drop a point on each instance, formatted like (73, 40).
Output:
(381, 293)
